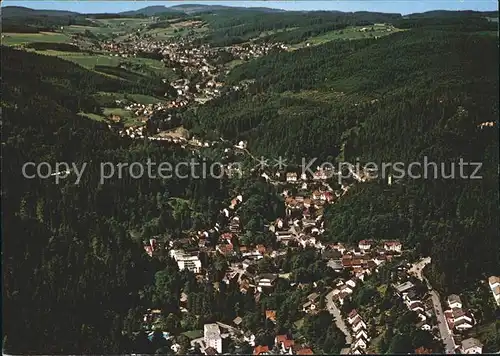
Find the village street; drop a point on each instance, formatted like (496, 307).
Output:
(334, 310)
(446, 336)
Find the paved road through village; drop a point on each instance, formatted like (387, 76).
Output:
(446, 336)
(334, 310)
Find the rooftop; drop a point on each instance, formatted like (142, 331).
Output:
(404, 286)
(211, 330)
(471, 342)
(453, 298)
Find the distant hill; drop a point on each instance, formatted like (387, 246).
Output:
(191, 9)
(196, 8)
(447, 13)
(147, 11)
(20, 11)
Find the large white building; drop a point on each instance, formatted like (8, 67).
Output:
(212, 337)
(185, 261)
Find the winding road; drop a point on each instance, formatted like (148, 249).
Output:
(334, 310)
(446, 335)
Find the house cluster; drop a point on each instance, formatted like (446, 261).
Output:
(144, 110)
(186, 58)
(417, 302)
(471, 346)
(320, 174)
(301, 227)
(494, 284)
(361, 261)
(134, 131)
(283, 345)
(457, 317)
(215, 334)
(251, 50)
(359, 333)
(312, 304)
(326, 172)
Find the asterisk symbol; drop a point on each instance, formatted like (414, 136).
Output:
(280, 163)
(262, 163)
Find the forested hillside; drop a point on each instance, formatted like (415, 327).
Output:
(74, 278)
(417, 93)
(24, 20)
(236, 26)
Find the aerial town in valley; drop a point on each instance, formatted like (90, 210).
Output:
(275, 252)
(446, 318)
(188, 60)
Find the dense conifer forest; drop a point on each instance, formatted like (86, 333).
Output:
(72, 270)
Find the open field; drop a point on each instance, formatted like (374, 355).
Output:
(123, 22)
(13, 39)
(174, 30)
(179, 132)
(85, 59)
(104, 27)
(124, 114)
(96, 30)
(315, 95)
(350, 33)
(127, 117)
(137, 98)
(92, 116)
(139, 65)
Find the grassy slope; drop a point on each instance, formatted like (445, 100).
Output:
(350, 33)
(14, 39)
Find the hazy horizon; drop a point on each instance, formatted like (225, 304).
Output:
(402, 7)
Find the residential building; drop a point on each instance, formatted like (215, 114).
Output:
(266, 281)
(250, 338)
(454, 301)
(423, 325)
(261, 350)
(395, 246)
(271, 315)
(362, 334)
(403, 287)
(191, 262)
(352, 316)
(471, 346)
(365, 245)
(284, 344)
(358, 324)
(309, 307)
(237, 321)
(212, 337)
(291, 177)
(360, 343)
(494, 283)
